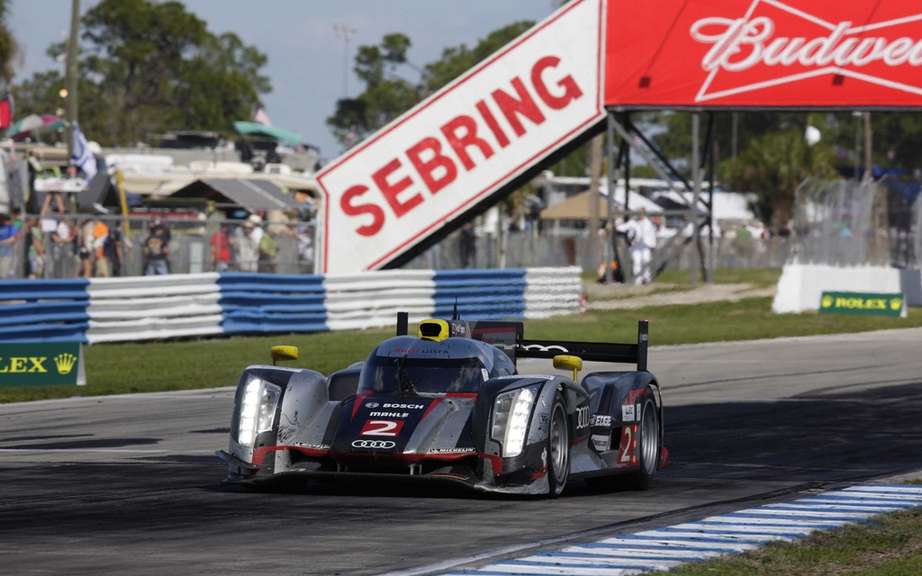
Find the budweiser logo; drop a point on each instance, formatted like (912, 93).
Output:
(838, 48)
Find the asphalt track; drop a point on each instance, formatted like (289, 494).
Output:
(127, 485)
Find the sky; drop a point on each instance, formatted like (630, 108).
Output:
(306, 58)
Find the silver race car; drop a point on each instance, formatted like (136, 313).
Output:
(450, 405)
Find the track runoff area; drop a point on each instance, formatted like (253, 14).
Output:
(710, 537)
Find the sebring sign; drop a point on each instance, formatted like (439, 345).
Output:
(764, 53)
(465, 143)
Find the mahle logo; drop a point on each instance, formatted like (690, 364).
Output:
(65, 363)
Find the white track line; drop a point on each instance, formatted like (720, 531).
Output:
(713, 536)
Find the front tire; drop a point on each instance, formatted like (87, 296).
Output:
(558, 450)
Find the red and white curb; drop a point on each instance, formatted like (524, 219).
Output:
(711, 537)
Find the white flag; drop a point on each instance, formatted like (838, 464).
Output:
(82, 157)
(262, 118)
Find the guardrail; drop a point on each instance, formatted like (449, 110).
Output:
(188, 305)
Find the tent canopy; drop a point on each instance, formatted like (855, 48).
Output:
(249, 193)
(577, 207)
(256, 129)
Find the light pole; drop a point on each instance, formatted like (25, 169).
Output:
(345, 33)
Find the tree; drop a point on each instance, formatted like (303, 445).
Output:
(773, 165)
(387, 95)
(9, 49)
(148, 67)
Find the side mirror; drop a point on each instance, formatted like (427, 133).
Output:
(280, 353)
(567, 362)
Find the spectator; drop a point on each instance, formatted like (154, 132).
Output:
(467, 244)
(247, 248)
(62, 249)
(641, 234)
(37, 251)
(268, 250)
(101, 266)
(86, 250)
(113, 250)
(8, 236)
(156, 251)
(221, 249)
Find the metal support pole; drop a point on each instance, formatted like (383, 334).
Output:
(595, 169)
(610, 246)
(72, 76)
(868, 148)
(696, 194)
(712, 163)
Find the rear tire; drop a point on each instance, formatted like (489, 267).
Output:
(648, 448)
(558, 450)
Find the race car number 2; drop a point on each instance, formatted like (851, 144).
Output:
(381, 427)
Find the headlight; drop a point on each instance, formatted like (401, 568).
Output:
(510, 419)
(257, 410)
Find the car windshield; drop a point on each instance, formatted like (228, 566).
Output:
(422, 375)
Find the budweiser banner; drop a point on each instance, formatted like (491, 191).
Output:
(464, 145)
(764, 53)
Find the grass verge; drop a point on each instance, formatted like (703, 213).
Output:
(889, 546)
(147, 367)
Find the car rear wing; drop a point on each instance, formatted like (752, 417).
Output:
(510, 337)
(592, 351)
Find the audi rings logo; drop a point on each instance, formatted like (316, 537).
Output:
(540, 348)
(373, 444)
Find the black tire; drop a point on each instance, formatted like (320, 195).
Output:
(648, 448)
(558, 450)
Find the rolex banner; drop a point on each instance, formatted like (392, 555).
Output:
(860, 303)
(41, 364)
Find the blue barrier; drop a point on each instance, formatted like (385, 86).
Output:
(43, 310)
(157, 307)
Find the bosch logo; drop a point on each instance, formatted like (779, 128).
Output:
(373, 444)
(371, 404)
(404, 406)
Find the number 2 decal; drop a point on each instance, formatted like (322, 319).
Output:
(626, 454)
(381, 427)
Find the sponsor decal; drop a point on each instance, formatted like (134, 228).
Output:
(451, 451)
(41, 364)
(843, 48)
(601, 420)
(380, 414)
(371, 404)
(404, 406)
(601, 442)
(541, 348)
(628, 413)
(859, 303)
(761, 53)
(382, 427)
(582, 417)
(374, 444)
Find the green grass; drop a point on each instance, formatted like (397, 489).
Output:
(146, 367)
(890, 546)
(758, 277)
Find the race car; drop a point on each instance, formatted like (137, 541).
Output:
(450, 405)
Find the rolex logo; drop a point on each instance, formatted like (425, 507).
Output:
(65, 363)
